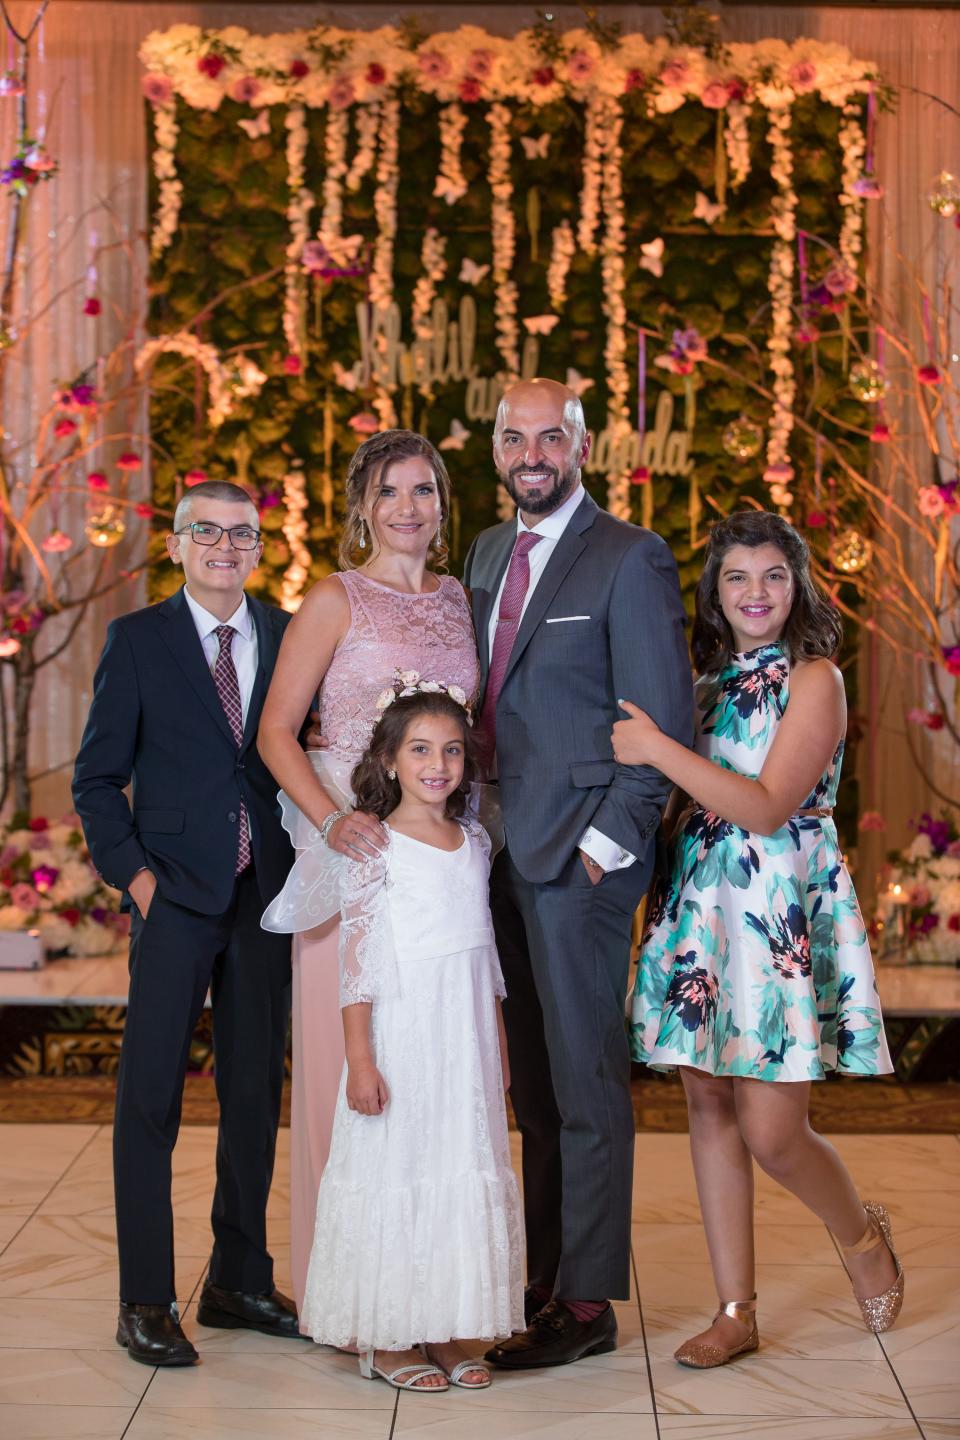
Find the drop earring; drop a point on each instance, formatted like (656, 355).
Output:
(362, 542)
(391, 774)
(438, 538)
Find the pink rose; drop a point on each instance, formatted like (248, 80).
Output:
(96, 480)
(930, 502)
(480, 64)
(157, 88)
(24, 896)
(64, 427)
(580, 66)
(434, 64)
(715, 95)
(674, 76)
(245, 89)
(129, 460)
(816, 520)
(376, 75)
(211, 65)
(868, 187)
(736, 90)
(929, 375)
(144, 510)
(470, 89)
(802, 76)
(92, 306)
(341, 93)
(918, 894)
(298, 69)
(366, 423)
(880, 434)
(292, 365)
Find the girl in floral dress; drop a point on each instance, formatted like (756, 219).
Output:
(756, 977)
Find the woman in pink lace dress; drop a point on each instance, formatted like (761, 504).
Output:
(386, 610)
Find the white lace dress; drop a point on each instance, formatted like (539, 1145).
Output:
(419, 1230)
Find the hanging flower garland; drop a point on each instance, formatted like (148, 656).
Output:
(295, 531)
(182, 342)
(368, 121)
(504, 237)
(562, 251)
(166, 130)
(590, 192)
(385, 210)
(330, 232)
(614, 306)
(433, 262)
(451, 184)
(853, 145)
(736, 138)
(779, 471)
(298, 215)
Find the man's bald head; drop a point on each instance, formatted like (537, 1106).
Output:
(539, 444)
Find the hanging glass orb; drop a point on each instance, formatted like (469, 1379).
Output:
(945, 195)
(105, 526)
(868, 382)
(850, 551)
(742, 439)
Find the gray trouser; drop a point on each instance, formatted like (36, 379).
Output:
(565, 951)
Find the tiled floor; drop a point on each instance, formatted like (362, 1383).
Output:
(818, 1375)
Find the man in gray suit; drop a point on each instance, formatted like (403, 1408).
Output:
(573, 611)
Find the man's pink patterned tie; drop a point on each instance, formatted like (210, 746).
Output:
(508, 623)
(228, 688)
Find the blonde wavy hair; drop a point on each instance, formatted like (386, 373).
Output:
(367, 470)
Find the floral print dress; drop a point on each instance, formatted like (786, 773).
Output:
(755, 958)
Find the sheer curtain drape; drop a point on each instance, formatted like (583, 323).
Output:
(99, 136)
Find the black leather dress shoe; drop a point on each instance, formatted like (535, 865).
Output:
(556, 1337)
(532, 1305)
(271, 1314)
(152, 1335)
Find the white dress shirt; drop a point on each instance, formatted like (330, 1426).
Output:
(243, 647)
(607, 853)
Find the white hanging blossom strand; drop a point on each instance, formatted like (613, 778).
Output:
(592, 176)
(295, 531)
(335, 158)
(385, 210)
(433, 263)
(562, 251)
(504, 238)
(451, 183)
(853, 145)
(166, 131)
(736, 137)
(368, 120)
(614, 308)
(298, 217)
(781, 294)
(182, 342)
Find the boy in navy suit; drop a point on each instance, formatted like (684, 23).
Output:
(198, 851)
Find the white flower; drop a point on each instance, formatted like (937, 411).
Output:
(12, 918)
(408, 677)
(920, 848)
(430, 687)
(408, 690)
(385, 698)
(456, 694)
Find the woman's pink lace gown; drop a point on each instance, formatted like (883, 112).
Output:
(432, 634)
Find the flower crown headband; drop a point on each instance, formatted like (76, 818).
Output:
(408, 682)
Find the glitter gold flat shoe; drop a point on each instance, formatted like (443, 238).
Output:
(701, 1356)
(879, 1312)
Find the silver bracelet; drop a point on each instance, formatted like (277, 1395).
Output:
(327, 824)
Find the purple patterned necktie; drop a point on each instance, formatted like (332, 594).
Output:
(228, 688)
(508, 623)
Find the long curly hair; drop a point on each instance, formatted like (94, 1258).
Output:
(813, 629)
(375, 793)
(366, 471)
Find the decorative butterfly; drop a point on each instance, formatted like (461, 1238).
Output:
(471, 273)
(540, 324)
(705, 209)
(578, 383)
(458, 437)
(535, 147)
(651, 256)
(449, 190)
(349, 379)
(260, 126)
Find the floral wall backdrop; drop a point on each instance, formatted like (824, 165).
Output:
(395, 226)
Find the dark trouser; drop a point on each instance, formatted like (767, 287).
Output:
(175, 955)
(565, 952)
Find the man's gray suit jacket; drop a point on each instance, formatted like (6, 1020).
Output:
(604, 622)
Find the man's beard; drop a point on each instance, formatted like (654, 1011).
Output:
(550, 498)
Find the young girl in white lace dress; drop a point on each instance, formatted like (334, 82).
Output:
(419, 1231)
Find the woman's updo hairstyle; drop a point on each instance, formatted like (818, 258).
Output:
(375, 793)
(368, 470)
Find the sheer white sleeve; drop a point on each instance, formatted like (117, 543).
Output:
(368, 959)
(483, 806)
(312, 892)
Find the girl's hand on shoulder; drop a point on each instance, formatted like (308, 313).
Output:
(366, 1088)
(634, 739)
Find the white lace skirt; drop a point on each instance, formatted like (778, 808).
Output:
(419, 1233)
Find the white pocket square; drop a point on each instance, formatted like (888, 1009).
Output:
(564, 619)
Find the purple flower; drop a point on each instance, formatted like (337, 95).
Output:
(939, 832)
(82, 395)
(99, 915)
(44, 877)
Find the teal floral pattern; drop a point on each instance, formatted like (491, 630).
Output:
(755, 959)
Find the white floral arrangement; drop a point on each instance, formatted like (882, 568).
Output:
(48, 884)
(408, 682)
(918, 910)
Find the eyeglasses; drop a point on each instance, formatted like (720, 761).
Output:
(242, 537)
